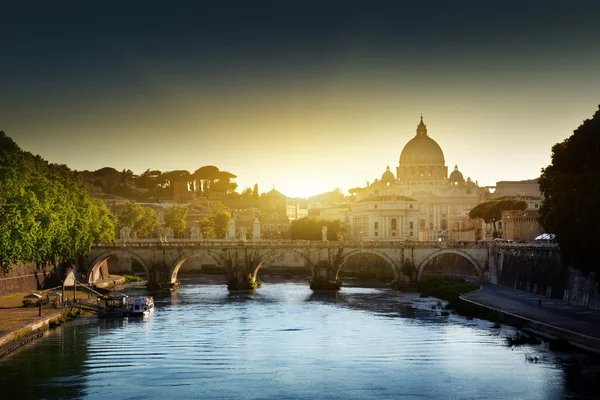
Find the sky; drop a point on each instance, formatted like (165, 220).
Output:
(301, 96)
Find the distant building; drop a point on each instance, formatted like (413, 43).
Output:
(524, 188)
(384, 217)
(276, 215)
(521, 226)
(422, 180)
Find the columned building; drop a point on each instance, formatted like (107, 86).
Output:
(442, 202)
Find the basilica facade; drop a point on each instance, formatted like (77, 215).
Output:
(419, 202)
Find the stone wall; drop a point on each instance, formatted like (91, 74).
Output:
(28, 277)
(583, 290)
(543, 273)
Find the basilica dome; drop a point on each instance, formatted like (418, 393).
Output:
(456, 175)
(422, 150)
(388, 176)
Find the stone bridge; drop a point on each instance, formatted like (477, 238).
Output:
(243, 260)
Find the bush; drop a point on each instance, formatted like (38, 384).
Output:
(132, 278)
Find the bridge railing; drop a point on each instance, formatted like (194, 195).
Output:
(224, 243)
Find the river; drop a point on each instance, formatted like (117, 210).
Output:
(286, 342)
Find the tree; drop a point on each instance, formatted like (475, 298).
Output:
(335, 229)
(103, 222)
(176, 219)
(216, 225)
(142, 221)
(46, 213)
(220, 215)
(491, 211)
(306, 228)
(206, 175)
(571, 189)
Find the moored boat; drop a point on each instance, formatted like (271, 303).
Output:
(140, 306)
(114, 306)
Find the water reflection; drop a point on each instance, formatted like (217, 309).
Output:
(284, 341)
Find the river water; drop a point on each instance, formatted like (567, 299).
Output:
(286, 342)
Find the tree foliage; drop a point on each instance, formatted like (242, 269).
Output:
(216, 225)
(176, 219)
(571, 189)
(491, 211)
(142, 221)
(308, 228)
(46, 213)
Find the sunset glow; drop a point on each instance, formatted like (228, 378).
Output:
(296, 101)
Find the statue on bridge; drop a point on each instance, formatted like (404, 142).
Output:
(124, 234)
(256, 230)
(324, 233)
(160, 231)
(195, 233)
(169, 233)
(231, 230)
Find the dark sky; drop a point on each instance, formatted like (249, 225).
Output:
(145, 76)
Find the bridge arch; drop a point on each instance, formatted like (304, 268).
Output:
(96, 262)
(174, 269)
(478, 268)
(391, 263)
(273, 254)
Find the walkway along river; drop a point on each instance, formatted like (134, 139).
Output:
(286, 342)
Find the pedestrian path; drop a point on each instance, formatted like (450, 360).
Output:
(542, 309)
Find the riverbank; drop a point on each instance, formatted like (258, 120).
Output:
(550, 319)
(17, 322)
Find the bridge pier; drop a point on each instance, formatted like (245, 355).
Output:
(242, 268)
(325, 277)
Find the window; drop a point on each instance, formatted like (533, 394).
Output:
(411, 233)
(536, 206)
(376, 233)
(393, 233)
(566, 295)
(271, 227)
(376, 225)
(535, 288)
(375, 206)
(586, 300)
(548, 291)
(411, 206)
(285, 227)
(393, 223)
(278, 227)
(265, 227)
(444, 225)
(411, 225)
(422, 225)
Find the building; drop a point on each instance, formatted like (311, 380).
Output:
(521, 226)
(384, 217)
(528, 187)
(443, 202)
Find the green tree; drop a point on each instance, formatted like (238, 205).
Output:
(336, 229)
(220, 214)
(176, 219)
(103, 223)
(207, 227)
(306, 228)
(216, 225)
(46, 213)
(142, 221)
(571, 188)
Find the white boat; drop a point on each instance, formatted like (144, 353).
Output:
(140, 306)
